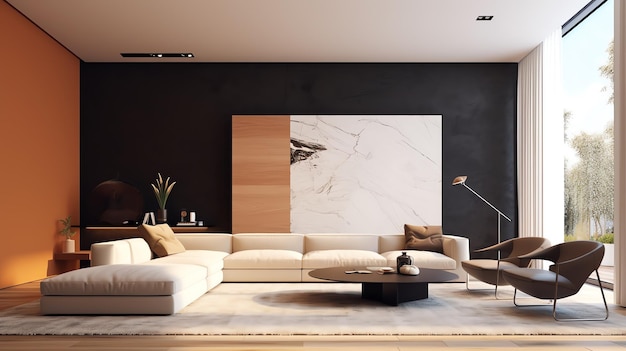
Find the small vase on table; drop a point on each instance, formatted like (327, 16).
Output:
(402, 260)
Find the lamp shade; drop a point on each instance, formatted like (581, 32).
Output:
(459, 180)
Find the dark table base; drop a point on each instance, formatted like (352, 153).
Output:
(394, 293)
(391, 288)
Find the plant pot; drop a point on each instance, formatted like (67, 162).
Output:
(69, 246)
(161, 216)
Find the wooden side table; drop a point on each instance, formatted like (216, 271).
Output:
(81, 259)
(82, 255)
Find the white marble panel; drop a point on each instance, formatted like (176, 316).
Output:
(365, 174)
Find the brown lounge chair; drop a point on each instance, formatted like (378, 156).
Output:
(573, 262)
(490, 270)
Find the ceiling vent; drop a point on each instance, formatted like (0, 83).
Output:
(157, 54)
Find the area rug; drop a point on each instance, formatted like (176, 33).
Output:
(332, 309)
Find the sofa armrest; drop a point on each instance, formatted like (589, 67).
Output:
(456, 247)
(126, 251)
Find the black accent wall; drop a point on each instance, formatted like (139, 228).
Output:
(138, 119)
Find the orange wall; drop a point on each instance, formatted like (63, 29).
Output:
(39, 147)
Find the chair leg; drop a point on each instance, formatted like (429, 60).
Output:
(554, 313)
(467, 287)
(606, 307)
(495, 289)
(496, 286)
(520, 305)
(495, 292)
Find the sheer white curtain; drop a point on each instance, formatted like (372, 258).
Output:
(620, 153)
(540, 165)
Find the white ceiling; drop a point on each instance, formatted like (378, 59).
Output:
(300, 30)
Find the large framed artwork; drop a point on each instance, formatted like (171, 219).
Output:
(346, 173)
(364, 174)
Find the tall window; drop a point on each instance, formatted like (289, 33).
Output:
(588, 117)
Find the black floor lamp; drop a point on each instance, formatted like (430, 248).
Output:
(461, 180)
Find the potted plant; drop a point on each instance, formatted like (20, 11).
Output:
(66, 230)
(162, 191)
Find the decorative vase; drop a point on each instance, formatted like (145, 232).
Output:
(69, 246)
(402, 260)
(161, 216)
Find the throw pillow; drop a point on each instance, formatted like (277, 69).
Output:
(161, 239)
(425, 238)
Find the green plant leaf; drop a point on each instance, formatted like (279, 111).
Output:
(162, 190)
(67, 227)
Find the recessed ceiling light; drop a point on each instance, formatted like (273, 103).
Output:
(484, 18)
(156, 54)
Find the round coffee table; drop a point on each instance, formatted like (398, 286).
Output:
(389, 288)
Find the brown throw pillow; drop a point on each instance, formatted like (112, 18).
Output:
(161, 239)
(425, 238)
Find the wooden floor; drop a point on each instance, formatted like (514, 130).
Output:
(28, 292)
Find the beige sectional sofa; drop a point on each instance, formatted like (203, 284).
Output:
(124, 279)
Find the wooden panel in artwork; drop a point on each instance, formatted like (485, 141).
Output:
(260, 174)
(261, 209)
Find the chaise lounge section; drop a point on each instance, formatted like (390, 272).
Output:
(126, 280)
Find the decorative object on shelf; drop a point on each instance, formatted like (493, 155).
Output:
(148, 218)
(461, 180)
(70, 244)
(162, 192)
(161, 216)
(403, 260)
(113, 202)
(187, 219)
(187, 224)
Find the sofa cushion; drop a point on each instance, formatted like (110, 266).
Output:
(390, 242)
(420, 237)
(264, 259)
(337, 258)
(274, 241)
(340, 241)
(213, 261)
(206, 241)
(125, 279)
(161, 239)
(422, 259)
